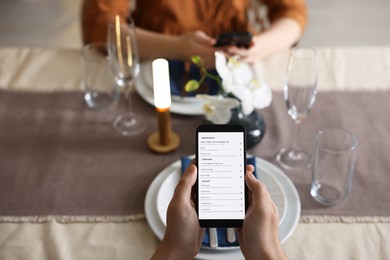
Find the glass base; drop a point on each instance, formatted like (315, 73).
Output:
(326, 194)
(293, 160)
(100, 100)
(129, 124)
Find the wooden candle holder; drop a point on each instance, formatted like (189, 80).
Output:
(164, 140)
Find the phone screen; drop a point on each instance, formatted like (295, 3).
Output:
(221, 168)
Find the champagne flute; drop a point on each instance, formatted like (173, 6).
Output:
(124, 60)
(300, 91)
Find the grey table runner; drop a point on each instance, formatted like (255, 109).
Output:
(57, 157)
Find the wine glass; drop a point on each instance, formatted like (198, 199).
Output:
(300, 91)
(124, 60)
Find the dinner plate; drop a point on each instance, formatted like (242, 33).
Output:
(180, 105)
(286, 228)
(165, 193)
(146, 74)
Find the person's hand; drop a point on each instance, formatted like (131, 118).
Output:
(200, 44)
(183, 236)
(259, 49)
(258, 236)
(280, 36)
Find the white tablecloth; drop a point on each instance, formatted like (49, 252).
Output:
(343, 69)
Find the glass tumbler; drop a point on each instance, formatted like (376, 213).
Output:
(101, 91)
(333, 166)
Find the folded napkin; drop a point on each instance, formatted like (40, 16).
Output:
(222, 236)
(180, 72)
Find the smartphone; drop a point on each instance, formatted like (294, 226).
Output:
(221, 191)
(240, 39)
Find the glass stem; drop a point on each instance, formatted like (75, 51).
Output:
(296, 139)
(129, 110)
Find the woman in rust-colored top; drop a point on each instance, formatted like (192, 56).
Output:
(179, 29)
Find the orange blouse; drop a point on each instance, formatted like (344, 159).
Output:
(180, 16)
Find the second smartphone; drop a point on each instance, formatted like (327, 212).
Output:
(221, 192)
(240, 39)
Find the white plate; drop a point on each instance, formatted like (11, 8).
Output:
(286, 228)
(165, 193)
(146, 74)
(180, 105)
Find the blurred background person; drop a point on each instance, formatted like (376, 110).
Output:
(178, 30)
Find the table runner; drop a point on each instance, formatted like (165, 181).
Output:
(59, 158)
(363, 113)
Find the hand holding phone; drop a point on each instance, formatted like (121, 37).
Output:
(221, 188)
(239, 39)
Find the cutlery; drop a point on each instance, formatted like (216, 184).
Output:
(231, 235)
(213, 237)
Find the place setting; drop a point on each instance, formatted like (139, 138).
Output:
(282, 191)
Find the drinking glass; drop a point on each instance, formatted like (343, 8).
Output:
(333, 166)
(300, 91)
(101, 91)
(124, 57)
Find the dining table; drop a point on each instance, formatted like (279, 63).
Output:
(72, 188)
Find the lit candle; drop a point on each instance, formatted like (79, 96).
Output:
(164, 140)
(161, 85)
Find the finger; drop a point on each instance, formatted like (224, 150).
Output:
(200, 236)
(203, 38)
(187, 180)
(249, 59)
(249, 174)
(275, 209)
(255, 186)
(250, 168)
(242, 52)
(193, 161)
(248, 178)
